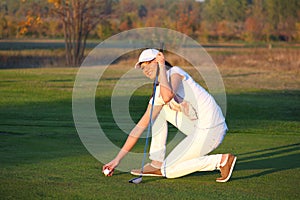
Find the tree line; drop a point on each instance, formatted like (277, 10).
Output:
(209, 20)
(203, 20)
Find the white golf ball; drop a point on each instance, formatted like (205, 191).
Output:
(106, 172)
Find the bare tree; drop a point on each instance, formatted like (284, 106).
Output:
(79, 17)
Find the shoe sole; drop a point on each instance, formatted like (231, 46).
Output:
(230, 172)
(139, 174)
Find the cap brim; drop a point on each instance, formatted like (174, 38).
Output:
(137, 65)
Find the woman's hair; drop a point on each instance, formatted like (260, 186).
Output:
(168, 65)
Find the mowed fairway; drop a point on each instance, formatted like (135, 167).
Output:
(42, 157)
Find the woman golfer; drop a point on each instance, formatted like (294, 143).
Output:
(182, 102)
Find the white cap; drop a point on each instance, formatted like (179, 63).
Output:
(146, 55)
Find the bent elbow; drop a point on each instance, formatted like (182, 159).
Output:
(168, 98)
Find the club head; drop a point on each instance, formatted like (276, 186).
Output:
(136, 180)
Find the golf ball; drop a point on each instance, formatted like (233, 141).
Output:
(106, 172)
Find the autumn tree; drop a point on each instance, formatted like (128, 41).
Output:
(235, 14)
(3, 20)
(225, 17)
(30, 15)
(282, 17)
(142, 11)
(255, 22)
(188, 17)
(79, 18)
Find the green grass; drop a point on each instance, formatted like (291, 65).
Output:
(42, 157)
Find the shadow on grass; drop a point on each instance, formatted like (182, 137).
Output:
(38, 131)
(270, 160)
(265, 105)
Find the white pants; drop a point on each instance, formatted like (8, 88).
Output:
(190, 155)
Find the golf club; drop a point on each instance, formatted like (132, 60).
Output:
(139, 179)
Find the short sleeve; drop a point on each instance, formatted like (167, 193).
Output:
(177, 70)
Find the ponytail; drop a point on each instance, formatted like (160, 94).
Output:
(168, 65)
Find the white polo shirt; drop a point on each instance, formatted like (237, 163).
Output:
(208, 112)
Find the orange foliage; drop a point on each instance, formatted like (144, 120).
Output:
(30, 21)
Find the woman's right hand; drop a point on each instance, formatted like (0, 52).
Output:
(160, 59)
(111, 166)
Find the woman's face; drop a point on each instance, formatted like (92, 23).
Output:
(149, 69)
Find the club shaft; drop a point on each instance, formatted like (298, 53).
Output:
(151, 111)
(150, 122)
